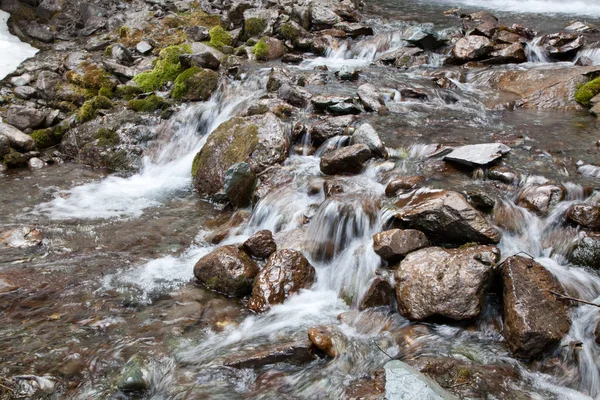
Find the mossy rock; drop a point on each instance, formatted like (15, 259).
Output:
(166, 69)
(89, 109)
(254, 27)
(15, 160)
(149, 104)
(219, 37)
(48, 137)
(586, 92)
(289, 32)
(268, 49)
(93, 78)
(107, 137)
(127, 92)
(195, 84)
(261, 50)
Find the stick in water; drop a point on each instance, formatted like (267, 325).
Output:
(563, 297)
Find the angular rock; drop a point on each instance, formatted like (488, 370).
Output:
(347, 160)
(541, 199)
(445, 282)
(260, 141)
(587, 250)
(202, 60)
(48, 8)
(395, 244)
(370, 97)
(25, 92)
(23, 117)
(322, 17)
(4, 146)
(121, 54)
(294, 95)
(347, 73)
(259, 22)
(477, 155)
(261, 245)
(403, 382)
(47, 82)
(582, 27)
(447, 217)
(425, 39)
(286, 272)
(470, 48)
(227, 270)
(562, 46)
(365, 134)
(379, 294)
(144, 47)
(354, 29)
(43, 33)
(585, 215)
(515, 53)
(344, 109)
(238, 184)
(16, 138)
(404, 184)
(327, 128)
(295, 352)
(534, 319)
(197, 33)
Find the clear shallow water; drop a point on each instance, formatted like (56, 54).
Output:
(13, 51)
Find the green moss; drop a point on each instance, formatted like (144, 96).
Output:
(127, 92)
(15, 159)
(586, 92)
(149, 104)
(195, 84)
(166, 69)
(124, 32)
(89, 109)
(261, 50)
(289, 32)
(106, 91)
(48, 137)
(219, 37)
(107, 137)
(93, 77)
(254, 27)
(108, 51)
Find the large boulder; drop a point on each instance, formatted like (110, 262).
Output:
(260, 141)
(23, 117)
(286, 272)
(322, 17)
(347, 160)
(16, 138)
(445, 282)
(228, 270)
(397, 243)
(534, 319)
(541, 198)
(370, 97)
(447, 217)
(585, 215)
(471, 48)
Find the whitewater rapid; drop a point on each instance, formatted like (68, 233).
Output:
(13, 51)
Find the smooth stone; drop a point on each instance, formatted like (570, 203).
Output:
(403, 382)
(478, 155)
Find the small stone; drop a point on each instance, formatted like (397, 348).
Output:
(322, 338)
(365, 134)
(347, 73)
(350, 160)
(25, 92)
(541, 199)
(260, 245)
(395, 244)
(404, 184)
(21, 80)
(36, 163)
(379, 294)
(135, 376)
(585, 215)
(197, 33)
(238, 183)
(144, 47)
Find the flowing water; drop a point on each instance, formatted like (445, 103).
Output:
(111, 273)
(14, 52)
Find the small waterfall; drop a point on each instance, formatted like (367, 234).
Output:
(591, 53)
(535, 52)
(166, 170)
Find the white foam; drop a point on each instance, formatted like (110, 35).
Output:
(590, 8)
(13, 51)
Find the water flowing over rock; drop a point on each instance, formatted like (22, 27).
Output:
(587, 250)
(403, 382)
(445, 282)
(329, 127)
(324, 339)
(260, 245)
(404, 184)
(380, 293)
(347, 160)
(477, 155)
(296, 352)
(228, 270)
(370, 97)
(365, 134)
(471, 48)
(397, 243)
(287, 271)
(562, 46)
(541, 198)
(447, 217)
(260, 141)
(534, 319)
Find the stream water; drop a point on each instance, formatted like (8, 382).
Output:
(105, 263)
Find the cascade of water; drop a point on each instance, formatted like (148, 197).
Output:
(536, 53)
(591, 53)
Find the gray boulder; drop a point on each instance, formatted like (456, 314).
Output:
(203, 60)
(23, 117)
(370, 97)
(470, 48)
(16, 138)
(403, 382)
(365, 134)
(477, 155)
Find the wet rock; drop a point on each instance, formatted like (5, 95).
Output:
(260, 141)
(295, 352)
(4, 146)
(365, 134)
(404, 382)
(582, 27)
(25, 92)
(503, 174)
(425, 40)
(541, 198)
(445, 282)
(294, 95)
(326, 102)
(135, 377)
(6, 286)
(562, 46)
(403, 57)
(286, 272)
(16, 138)
(395, 244)
(323, 338)
(380, 293)
(370, 97)
(43, 33)
(404, 184)
(504, 36)
(344, 108)
(587, 250)
(35, 387)
(347, 73)
(227, 227)
(331, 188)
(277, 77)
(480, 200)
(367, 388)
(534, 320)
(447, 217)
(470, 48)
(514, 53)
(23, 117)
(354, 29)
(260, 245)
(36, 163)
(478, 155)
(329, 127)
(238, 184)
(203, 60)
(290, 58)
(347, 160)
(322, 17)
(586, 215)
(583, 61)
(227, 270)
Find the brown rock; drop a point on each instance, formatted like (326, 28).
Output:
(404, 184)
(397, 243)
(297, 352)
(6, 286)
(261, 244)
(332, 187)
(348, 160)
(227, 270)
(541, 198)
(367, 388)
(586, 215)
(534, 320)
(286, 272)
(445, 282)
(329, 127)
(470, 48)
(322, 338)
(380, 293)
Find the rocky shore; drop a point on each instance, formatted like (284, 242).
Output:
(110, 77)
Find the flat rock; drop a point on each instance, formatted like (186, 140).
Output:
(296, 352)
(403, 382)
(478, 155)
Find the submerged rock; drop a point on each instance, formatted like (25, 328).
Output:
(135, 377)
(534, 319)
(324, 339)
(448, 217)
(286, 272)
(227, 270)
(347, 160)
(445, 282)
(260, 141)
(397, 243)
(260, 245)
(295, 352)
(477, 155)
(404, 184)
(403, 382)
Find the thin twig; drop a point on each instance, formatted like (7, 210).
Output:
(380, 349)
(457, 385)
(563, 297)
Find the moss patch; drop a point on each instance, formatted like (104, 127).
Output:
(166, 69)
(586, 92)
(107, 137)
(149, 104)
(93, 78)
(48, 137)
(89, 109)
(15, 159)
(254, 27)
(219, 37)
(106, 91)
(261, 50)
(195, 84)
(289, 31)
(127, 92)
